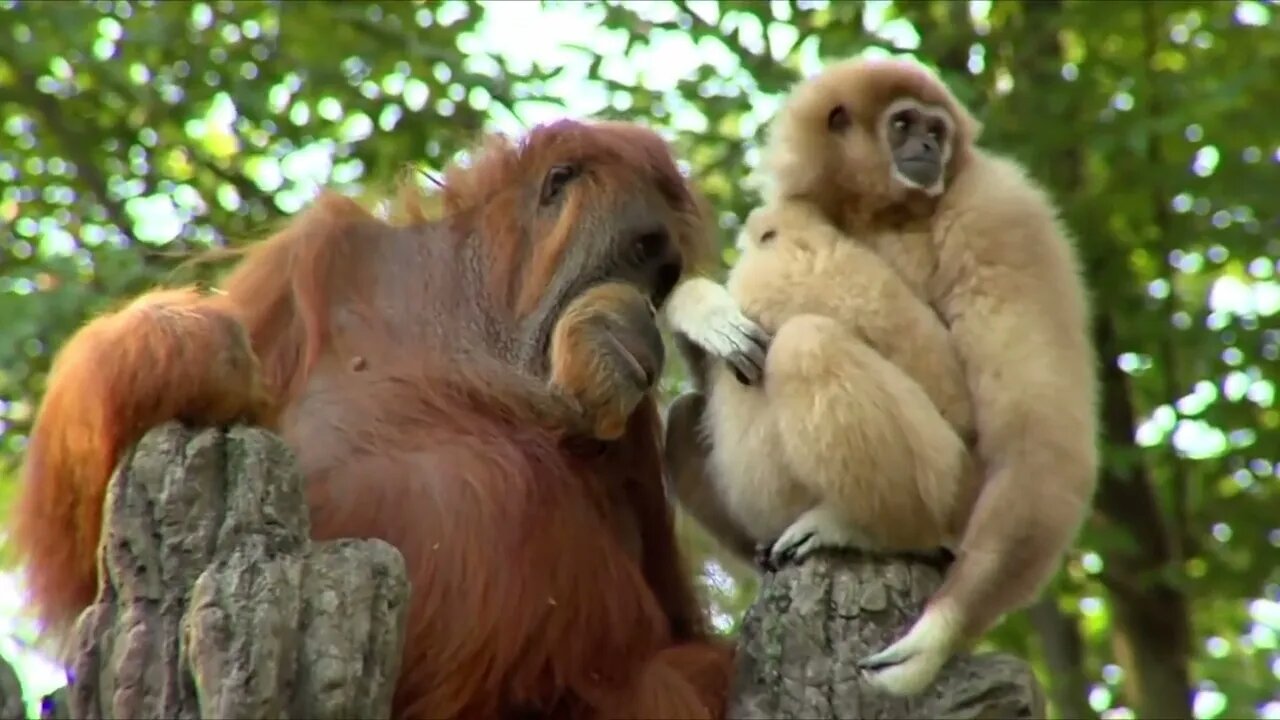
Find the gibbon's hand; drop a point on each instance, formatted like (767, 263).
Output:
(710, 318)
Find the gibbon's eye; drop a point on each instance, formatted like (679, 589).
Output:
(768, 235)
(937, 131)
(902, 120)
(557, 178)
(837, 119)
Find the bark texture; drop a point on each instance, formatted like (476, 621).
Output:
(216, 604)
(811, 623)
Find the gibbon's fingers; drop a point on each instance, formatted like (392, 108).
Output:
(909, 665)
(746, 369)
(704, 313)
(748, 363)
(818, 527)
(742, 344)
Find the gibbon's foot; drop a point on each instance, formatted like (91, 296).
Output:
(909, 665)
(816, 528)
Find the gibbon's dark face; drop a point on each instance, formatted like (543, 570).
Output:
(917, 139)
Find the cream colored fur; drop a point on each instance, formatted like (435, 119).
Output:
(849, 376)
(991, 257)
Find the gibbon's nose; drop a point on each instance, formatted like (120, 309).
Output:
(929, 145)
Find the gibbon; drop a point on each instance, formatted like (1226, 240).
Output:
(884, 151)
(850, 342)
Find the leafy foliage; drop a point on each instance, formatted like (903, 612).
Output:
(134, 133)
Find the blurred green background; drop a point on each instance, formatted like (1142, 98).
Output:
(134, 132)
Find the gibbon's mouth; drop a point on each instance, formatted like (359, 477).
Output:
(922, 171)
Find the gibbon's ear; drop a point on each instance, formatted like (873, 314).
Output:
(838, 119)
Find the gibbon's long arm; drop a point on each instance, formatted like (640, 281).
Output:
(169, 354)
(1017, 313)
(702, 315)
(687, 455)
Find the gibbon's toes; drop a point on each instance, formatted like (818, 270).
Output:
(906, 677)
(888, 657)
(817, 528)
(793, 546)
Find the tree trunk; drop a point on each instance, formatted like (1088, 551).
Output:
(811, 623)
(214, 602)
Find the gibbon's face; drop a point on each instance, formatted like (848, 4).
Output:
(915, 137)
(910, 139)
(918, 139)
(870, 133)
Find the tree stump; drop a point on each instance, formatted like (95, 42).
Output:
(812, 622)
(214, 602)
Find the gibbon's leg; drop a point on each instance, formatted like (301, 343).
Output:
(687, 452)
(864, 438)
(997, 544)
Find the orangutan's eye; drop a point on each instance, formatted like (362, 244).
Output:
(557, 178)
(649, 246)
